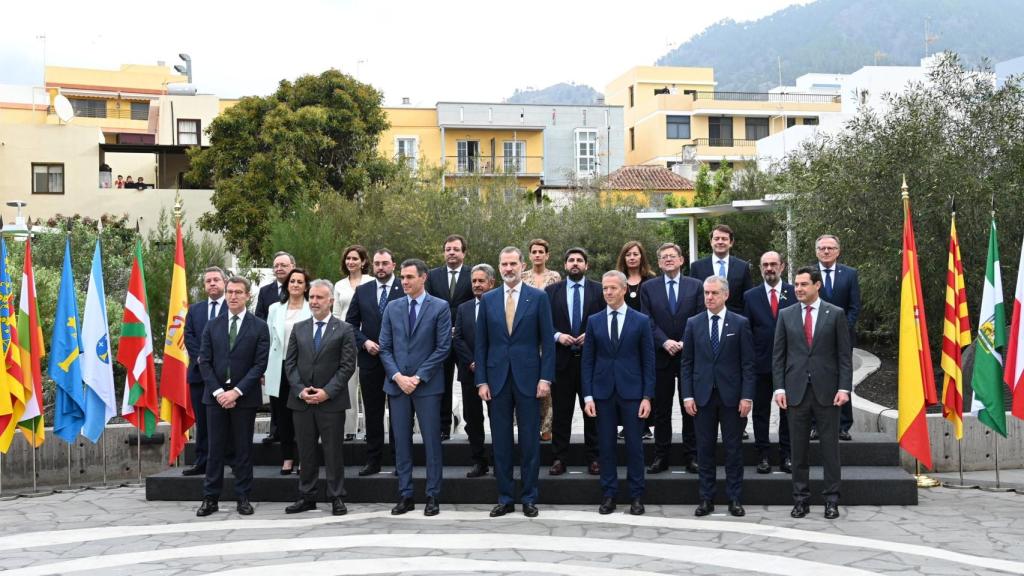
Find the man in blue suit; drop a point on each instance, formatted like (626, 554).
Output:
(415, 337)
(669, 300)
(232, 359)
(618, 384)
(195, 322)
(515, 363)
(761, 305)
(720, 263)
(717, 387)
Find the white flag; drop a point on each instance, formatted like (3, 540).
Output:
(97, 370)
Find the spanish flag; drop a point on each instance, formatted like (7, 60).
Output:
(956, 335)
(175, 403)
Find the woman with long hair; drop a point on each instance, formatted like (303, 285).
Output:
(633, 263)
(539, 276)
(355, 264)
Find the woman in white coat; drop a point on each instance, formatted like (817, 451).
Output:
(281, 316)
(355, 262)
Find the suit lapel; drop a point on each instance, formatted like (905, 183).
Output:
(328, 332)
(823, 318)
(243, 329)
(427, 303)
(524, 301)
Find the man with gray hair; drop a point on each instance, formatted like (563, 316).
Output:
(283, 264)
(482, 279)
(199, 314)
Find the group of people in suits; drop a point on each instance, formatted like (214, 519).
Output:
(618, 349)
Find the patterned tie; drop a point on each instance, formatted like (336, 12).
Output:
(714, 334)
(577, 310)
(775, 304)
(318, 335)
(213, 310)
(412, 315)
(828, 283)
(383, 299)
(510, 310)
(233, 332)
(809, 325)
(615, 329)
(721, 268)
(451, 286)
(672, 297)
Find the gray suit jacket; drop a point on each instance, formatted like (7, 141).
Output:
(827, 365)
(328, 368)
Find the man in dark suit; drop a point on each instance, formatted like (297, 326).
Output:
(669, 300)
(717, 387)
(283, 264)
(515, 363)
(464, 342)
(812, 368)
(232, 359)
(321, 358)
(720, 263)
(573, 301)
(451, 283)
(415, 338)
(364, 314)
(195, 322)
(761, 305)
(618, 384)
(840, 286)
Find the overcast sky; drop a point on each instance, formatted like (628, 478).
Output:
(427, 51)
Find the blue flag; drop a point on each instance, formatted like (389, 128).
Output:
(65, 368)
(97, 370)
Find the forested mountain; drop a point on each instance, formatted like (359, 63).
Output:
(561, 93)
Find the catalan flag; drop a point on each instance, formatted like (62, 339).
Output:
(32, 352)
(175, 402)
(135, 353)
(956, 335)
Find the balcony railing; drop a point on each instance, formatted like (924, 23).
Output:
(725, 142)
(769, 97)
(493, 165)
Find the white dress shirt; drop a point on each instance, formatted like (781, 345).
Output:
(815, 307)
(241, 318)
(621, 318)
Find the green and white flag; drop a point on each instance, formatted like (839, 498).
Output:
(987, 377)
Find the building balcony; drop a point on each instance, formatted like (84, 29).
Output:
(730, 148)
(777, 97)
(528, 166)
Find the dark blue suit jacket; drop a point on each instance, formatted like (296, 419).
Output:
(498, 353)
(421, 352)
(267, 296)
(626, 369)
(561, 316)
(739, 278)
(758, 311)
(845, 293)
(364, 315)
(664, 324)
(464, 338)
(195, 323)
(731, 370)
(248, 359)
(437, 286)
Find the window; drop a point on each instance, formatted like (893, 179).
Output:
(586, 153)
(468, 155)
(88, 108)
(47, 178)
(757, 128)
(720, 131)
(811, 121)
(630, 96)
(632, 139)
(514, 152)
(677, 127)
(140, 110)
(188, 132)
(790, 122)
(406, 150)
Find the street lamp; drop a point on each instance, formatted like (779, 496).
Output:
(185, 69)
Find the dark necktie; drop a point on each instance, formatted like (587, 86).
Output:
(233, 332)
(318, 335)
(828, 283)
(577, 310)
(383, 299)
(775, 304)
(714, 334)
(615, 329)
(451, 285)
(412, 315)
(672, 296)
(808, 325)
(213, 310)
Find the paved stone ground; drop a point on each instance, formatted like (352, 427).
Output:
(951, 532)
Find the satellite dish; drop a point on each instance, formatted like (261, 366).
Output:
(62, 106)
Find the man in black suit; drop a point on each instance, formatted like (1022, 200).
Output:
(669, 300)
(841, 287)
(321, 358)
(451, 283)
(720, 263)
(812, 368)
(482, 279)
(283, 263)
(232, 359)
(573, 301)
(364, 314)
(195, 322)
(761, 305)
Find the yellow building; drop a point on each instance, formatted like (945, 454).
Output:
(676, 112)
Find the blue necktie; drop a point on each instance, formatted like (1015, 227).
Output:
(213, 310)
(383, 299)
(318, 335)
(577, 310)
(714, 335)
(721, 268)
(412, 315)
(615, 329)
(672, 296)
(828, 283)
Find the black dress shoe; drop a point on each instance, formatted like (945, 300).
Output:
(594, 469)
(636, 507)
(814, 433)
(659, 465)
(194, 471)
(529, 510)
(502, 509)
(691, 467)
(446, 436)
(350, 437)
(831, 510)
(269, 439)
(209, 506)
(621, 435)
(404, 505)
(763, 467)
(300, 505)
(736, 509)
(477, 471)
(607, 505)
(244, 508)
(432, 508)
(287, 471)
(648, 434)
(557, 468)
(338, 507)
(786, 465)
(369, 470)
(800, 509)
(704, 508)
(746, 436)
(844, 435)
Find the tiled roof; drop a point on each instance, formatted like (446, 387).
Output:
(646, 178)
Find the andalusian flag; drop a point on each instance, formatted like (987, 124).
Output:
(135, 353)
(32, 352)
(1013, 376)
(65, 367)
(175, 402)
(956, 335)
(916, 379)
(97, 361)
(987, 377)
(12, 405)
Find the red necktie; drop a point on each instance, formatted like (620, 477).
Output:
(808, 326)
(775, 304)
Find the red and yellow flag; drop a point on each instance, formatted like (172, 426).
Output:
(916, 379)
(956, 335)
(32, 351)
(135, 353)
(13, 385)
(175, 403)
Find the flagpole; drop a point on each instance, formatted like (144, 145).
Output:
(138, 453)
(995, 452)
(34, 450)
(69, 465)
(960, 460)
